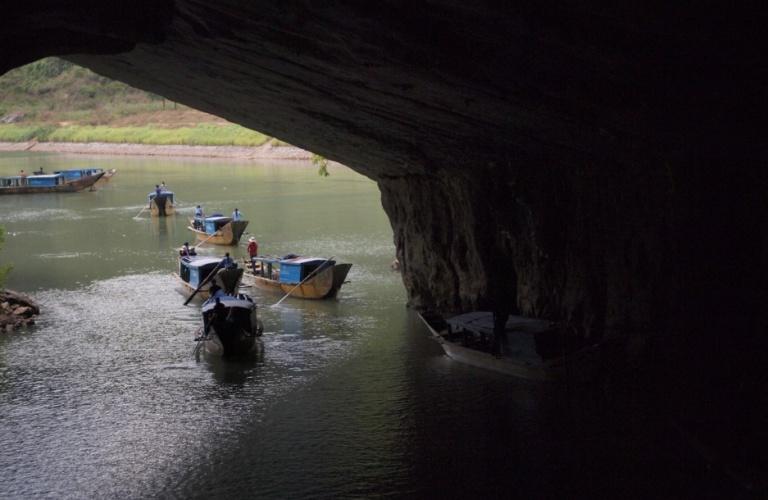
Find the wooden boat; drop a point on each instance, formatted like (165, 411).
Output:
(193, 270)
(534, 349)
(161, 204)
(72, 174)
(47, 183)
(218, 229)
(317, 278)
(78, 173)
(230, 325)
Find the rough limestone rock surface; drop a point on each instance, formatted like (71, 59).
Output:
(603, 165)
(16, 310)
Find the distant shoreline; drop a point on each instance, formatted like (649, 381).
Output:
(264, 152)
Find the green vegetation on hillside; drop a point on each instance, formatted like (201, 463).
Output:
(55, 100)
(54, 89)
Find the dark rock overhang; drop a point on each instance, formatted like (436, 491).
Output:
(598, 164)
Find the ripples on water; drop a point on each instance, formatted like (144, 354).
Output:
(348, 399)
(112, 364)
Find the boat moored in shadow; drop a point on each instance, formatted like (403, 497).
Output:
(47, 183)
(218, 229)
(301, 277)
(532, 349)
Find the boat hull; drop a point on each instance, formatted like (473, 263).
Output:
(162, 207)
(232, 342)
(228, 235)
(324, 285)
(68, 187)
(230, 326)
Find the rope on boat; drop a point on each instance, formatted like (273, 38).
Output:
(140, 212)
(199, 338)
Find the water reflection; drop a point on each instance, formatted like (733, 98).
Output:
(236, 371)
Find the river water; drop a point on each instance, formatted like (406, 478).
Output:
(349, 398)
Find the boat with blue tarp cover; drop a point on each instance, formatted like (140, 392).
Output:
(218, 229)
(301, 277)
(203, 273)
(72, 174)
(47, 183)
(161, 204)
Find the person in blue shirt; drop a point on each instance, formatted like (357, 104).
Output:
(236, 215)
(197, 222)
(227, 262)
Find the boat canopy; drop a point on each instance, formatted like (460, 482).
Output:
(167, 194)
(78, 173)
(45, 180)
(193, 270)
(295, 269)
(241, 301)
(214, 223)
(200, 261)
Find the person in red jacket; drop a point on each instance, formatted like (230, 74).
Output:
(253, 251)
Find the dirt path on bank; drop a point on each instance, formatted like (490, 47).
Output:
(265, 152)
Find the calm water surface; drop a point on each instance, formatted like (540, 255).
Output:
(349, 398)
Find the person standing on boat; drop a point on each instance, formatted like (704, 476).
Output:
(253, 251)
(162, 186)
(198, 222)
(236, 215)
(23, 176)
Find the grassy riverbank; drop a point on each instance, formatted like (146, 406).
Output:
(203, 134)
(53, 100)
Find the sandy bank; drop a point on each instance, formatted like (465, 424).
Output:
(265, 152)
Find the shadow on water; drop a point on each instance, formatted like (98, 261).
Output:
(236, 371)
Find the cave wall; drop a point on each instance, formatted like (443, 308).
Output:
(594, 164)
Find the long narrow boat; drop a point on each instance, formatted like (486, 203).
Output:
(161, 205)
(533, 349)
(230, 325)
(79, 173)
(218, 229)
(46, 183)
(193, 271)
(303, 277)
